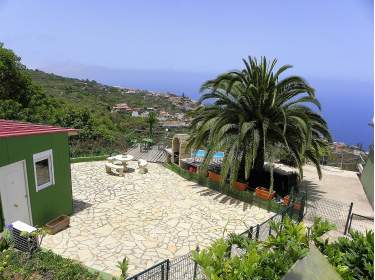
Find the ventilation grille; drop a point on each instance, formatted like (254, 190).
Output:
(23, 243)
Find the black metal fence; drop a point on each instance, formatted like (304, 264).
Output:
(159, 271)
(182, 268)
(360, 223)
(264, 230)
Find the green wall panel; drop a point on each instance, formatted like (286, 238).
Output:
(52, 201)
(367, 178)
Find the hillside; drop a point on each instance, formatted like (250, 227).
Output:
(109, 119)
(97, 96)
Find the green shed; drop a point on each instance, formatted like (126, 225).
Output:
(35, 180)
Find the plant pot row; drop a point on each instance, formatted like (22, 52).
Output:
(260, 192)
(214, 177)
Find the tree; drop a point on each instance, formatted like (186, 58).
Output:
(251, 112)
(151, 120)
(20, 99)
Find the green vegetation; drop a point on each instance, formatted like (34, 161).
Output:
(89, 158)
(151, 121)
(94, 95)
(35, 96)
(239, 257)
(251, 113)
(353, 258)
(270, 259)
(41, 265)
(123, 266)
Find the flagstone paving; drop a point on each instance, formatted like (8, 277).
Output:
(146, 217)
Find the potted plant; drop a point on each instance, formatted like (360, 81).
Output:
(263, 193)
(214, 176)
(192, 169)
(296, 205)
(240, 186)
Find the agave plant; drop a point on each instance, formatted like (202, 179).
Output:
(252, 112)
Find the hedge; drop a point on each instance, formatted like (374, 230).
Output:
(87, 159)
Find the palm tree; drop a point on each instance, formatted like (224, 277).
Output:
(252, 112)
(151, 120)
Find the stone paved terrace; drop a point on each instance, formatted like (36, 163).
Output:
(147, 217)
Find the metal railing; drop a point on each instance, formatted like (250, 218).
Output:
(159, 271)
(360, 223)
(264, 230)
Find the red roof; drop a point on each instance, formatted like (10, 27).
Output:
(15, 128)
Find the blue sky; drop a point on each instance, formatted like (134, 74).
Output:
(177, 45)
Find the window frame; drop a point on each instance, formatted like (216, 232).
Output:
(39, 157)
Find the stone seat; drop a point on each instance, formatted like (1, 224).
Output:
(142, 166)
(118, 168)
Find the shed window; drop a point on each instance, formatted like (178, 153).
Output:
(43, 169)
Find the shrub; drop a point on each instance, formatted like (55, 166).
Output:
(257, 260)
(41, 265)
(353, 258)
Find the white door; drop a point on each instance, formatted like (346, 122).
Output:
(14, 194)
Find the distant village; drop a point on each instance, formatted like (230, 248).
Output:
(166, 119)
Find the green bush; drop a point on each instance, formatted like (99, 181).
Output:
(270, 259)
(352, 257)
(41, 265)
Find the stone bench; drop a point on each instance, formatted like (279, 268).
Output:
(118, 168)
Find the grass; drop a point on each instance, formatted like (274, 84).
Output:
(245, 196)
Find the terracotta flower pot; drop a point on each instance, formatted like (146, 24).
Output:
(264, 193)
(214, 176)
(192, 169)
(286, 200)
(240, 186)
(296, 206)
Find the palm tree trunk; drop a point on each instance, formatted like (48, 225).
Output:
(259, 160)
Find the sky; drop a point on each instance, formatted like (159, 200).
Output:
(177, 45)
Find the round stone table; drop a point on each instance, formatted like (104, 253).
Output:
(123, 159)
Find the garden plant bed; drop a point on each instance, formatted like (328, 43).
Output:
(42, 265)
